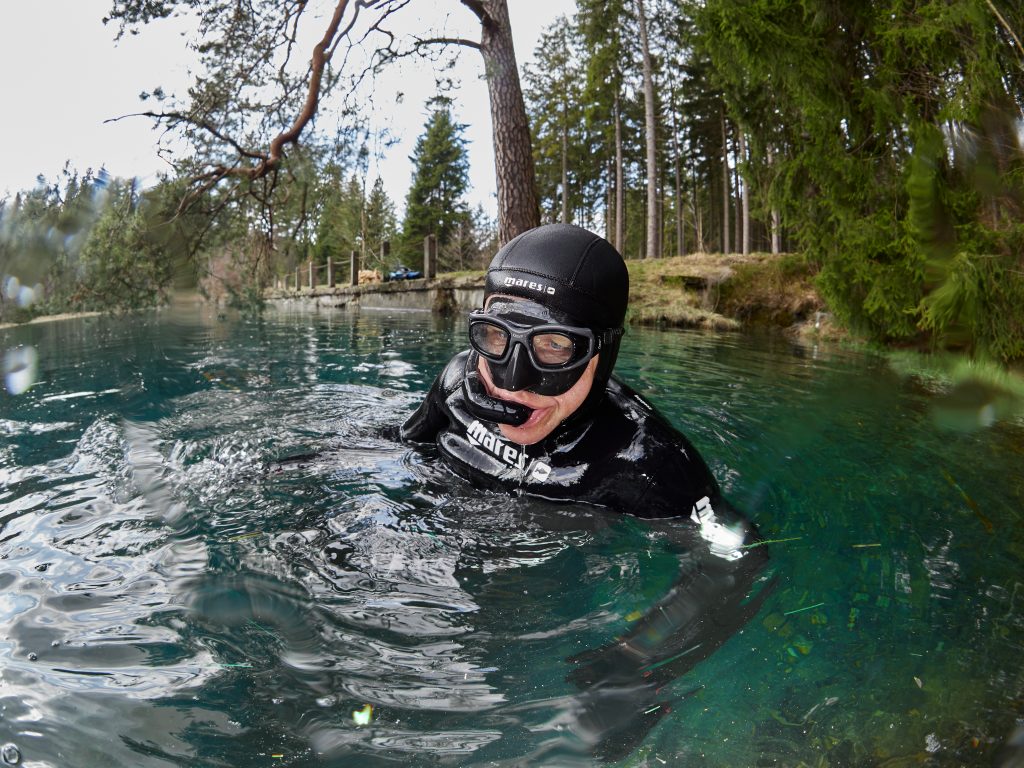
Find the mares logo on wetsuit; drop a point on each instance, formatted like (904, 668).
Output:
(482, 437)
(540, 287)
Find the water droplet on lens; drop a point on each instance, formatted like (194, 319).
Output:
(26, 296)
(11, 286)
(20, 369)
(10, 754)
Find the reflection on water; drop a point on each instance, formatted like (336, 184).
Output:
(215, 553)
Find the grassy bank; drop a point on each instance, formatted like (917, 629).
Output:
(720, 292)
(723, 291)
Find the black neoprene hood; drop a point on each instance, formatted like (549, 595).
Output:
(565, 268)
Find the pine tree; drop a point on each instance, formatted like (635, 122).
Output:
(604, 28)
(434, 204)
(381, 224)
(892, 123)
(556, 104)
(120, 267)
(340, 227)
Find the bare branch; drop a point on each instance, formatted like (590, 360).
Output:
(300, 7)
(377, 25)
(319, 62)
(198, 123)
(1006, 26)
(418, 42)
(212, 179)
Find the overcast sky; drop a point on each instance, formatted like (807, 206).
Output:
(63, 76)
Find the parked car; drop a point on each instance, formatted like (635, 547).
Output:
(404, 273)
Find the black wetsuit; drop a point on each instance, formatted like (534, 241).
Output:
(614, 451)
(622, 454)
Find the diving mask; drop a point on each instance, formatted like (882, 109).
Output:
(528, 347)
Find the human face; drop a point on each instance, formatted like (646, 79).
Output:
(529, 347)
(548, 411)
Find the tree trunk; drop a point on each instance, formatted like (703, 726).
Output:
(662, 202)
(698, 214)
(565, 162)
(737, 220)
(725, 187)
(609, 205)
(746, 197)
(652, 142)
(776, 218)
(518, 209)
(680, 243)
(620, 189)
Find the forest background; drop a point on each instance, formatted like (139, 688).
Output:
(879, 145)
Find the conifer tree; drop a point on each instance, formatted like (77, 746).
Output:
(892, 121)
(556, 104)
(340, 227)
(604, 30)
(434, 204)
(381, 224)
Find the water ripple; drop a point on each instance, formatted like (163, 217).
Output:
(215, 552)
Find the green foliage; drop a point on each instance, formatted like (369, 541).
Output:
(474, 244)
(353, 221)
(340, 226)
(88, 242)
(434, 204)
(898, 171)
(381, 224)
(237, 272)
(120, 265)
(554, 92)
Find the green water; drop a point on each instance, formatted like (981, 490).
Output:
(174, 593)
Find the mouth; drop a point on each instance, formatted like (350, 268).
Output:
(536, 414)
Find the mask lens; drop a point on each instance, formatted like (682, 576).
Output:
(552, 348)
(488, 339)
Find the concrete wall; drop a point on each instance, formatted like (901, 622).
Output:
(415, 295)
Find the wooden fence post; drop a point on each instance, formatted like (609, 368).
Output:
(312, 276)
(354, 261)
(298, 279)
(330, 272)
(430, 257)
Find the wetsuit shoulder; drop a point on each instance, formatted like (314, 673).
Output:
(674, 474)
(432, 414)
(624, 456)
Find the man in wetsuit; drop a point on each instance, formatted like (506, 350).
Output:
(532, 407)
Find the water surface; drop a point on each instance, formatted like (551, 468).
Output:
(177, 589)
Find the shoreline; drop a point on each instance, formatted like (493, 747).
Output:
(50, 319)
